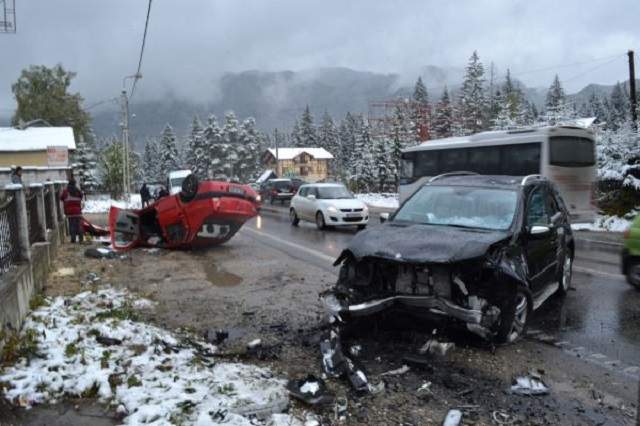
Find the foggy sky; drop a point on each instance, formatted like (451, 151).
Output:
(192, 42)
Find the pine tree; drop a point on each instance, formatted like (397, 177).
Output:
(248, 151)
(169, 157)
(362, 167)
(197, 157)
(308, 134)
(383, 167)
(296, 137)
(151, 162)
(421, 109)
(214, 142)
(618, 107)
(86, 164)
(230, 138)
(443, 122)
(596, 108)
(111, 167)
(557, 109)
(472, 101)
(503, 120)
(349, 129)
(513, 97)
(328, 139)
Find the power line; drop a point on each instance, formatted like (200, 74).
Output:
(573, 64)
(591, 69)
(144, 40)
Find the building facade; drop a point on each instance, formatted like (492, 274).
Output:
(310, 164)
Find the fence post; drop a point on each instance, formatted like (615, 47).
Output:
(23, 223)
(42, 220)
(51, 203)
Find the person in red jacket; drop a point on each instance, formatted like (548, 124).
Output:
(71, 197)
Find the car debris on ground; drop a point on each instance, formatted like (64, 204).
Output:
(311, 390)
(453, 418)
(530, 385)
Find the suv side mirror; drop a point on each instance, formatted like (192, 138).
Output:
(539, 230)
(384, 217)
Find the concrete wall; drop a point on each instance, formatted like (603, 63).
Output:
(36, 174)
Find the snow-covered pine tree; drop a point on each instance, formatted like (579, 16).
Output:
(216, 147)
(197, 156)
(420, 94)
(308, 133)
(248, 151)
(443, 121)
(350, 127)
(362, 167)
(503, 120)
(169, 157)
(328, 139)
(472, 101)
(556, 108)
(383, 167)
(151, 162)
(512, 96)
(618, 107)
(595, 108)
(421, 109)
(295, 137)
(86, 164)
(229, 146)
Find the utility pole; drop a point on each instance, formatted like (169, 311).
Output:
(125, 145)
(632, 91)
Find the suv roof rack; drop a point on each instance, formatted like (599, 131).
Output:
(524, 179)
(460, 173)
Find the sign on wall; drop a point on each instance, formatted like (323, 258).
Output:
(57, 156)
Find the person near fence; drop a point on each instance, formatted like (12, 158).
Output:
(145, 195)
(16, 175)
(72, 199)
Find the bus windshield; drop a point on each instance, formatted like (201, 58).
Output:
(567, 151)
(460, 206)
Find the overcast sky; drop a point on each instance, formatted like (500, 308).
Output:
(192, 42)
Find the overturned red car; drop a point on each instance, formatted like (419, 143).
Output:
(203, 214)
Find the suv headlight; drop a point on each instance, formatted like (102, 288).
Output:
(332, 209)
(258, 198)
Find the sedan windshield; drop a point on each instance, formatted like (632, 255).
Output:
(333, 193)
(466, 207)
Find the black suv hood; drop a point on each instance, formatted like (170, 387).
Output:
(423, 243)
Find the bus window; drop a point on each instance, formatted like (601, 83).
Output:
(426, 164)
(566, 151)
(452, 160)
(520, 159)
(485, 161)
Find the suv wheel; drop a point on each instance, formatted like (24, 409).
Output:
(564, 280)
(293, 217)
(515, 316)
(633, 274)
(320, 223)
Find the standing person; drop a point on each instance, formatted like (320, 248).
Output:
(71, 197)
(163, 192)
(145, 195)
(16, 175)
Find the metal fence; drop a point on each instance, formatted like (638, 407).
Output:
(48, 212)
(9, 245)
(32, 218)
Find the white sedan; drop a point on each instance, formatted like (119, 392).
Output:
(328, 204)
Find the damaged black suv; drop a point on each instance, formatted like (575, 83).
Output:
(481, 250)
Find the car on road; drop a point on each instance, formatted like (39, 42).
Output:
(277, 190)
(483, 251)
(328, 204)
(202, 214)
(631, 254)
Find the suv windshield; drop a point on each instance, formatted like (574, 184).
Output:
(460, 206)
(283, 184)
(333, 193)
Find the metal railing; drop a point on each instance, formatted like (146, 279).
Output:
(32, 218)
(8, 233)
(48, 212)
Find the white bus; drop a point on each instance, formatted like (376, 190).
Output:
(564, 154)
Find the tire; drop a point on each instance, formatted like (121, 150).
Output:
(633, 274)
(361, 227)
(320, 223)
(295, 220)
(564, 280)
(514, 317)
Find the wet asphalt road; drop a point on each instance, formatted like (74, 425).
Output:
(600, 319)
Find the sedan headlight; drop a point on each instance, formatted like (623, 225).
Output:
(332, 209)
(258, 198)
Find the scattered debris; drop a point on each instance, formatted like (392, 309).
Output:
(424, 392)
(91, 278)
(100, 253)
(108, 341)
(254, 343)
(355, 350)
(310, 390)
(529, 386)
(340, 408)
(453, 418)
(377, 389)
(216, 336)
(154, 250)
(397, 371)
(65, 272)
(502, 418)
(435, 347)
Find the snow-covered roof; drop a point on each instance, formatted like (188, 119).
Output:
(35, 138)
(291, 153)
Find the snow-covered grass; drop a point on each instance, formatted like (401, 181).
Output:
(151, 377)
(604, 223)
(102, 203)
(384, 199)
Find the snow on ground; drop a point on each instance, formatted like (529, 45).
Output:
(102, 203)
(604, 223)
(151, 377)
(384, 199)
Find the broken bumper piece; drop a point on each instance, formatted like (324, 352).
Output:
(435, 305)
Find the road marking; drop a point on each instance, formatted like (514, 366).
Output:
(295, 246)
(595, 272)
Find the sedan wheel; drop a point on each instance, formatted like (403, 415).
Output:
(515, 317)
(320, 224)
(633, 275)
(293, 217)
(565, 275)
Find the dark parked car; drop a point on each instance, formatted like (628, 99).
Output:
(481, 250)
(277, 190)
